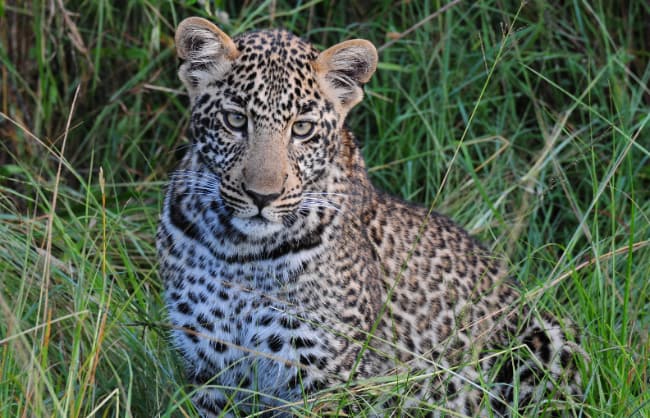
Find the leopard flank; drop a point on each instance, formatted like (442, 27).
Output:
(286, 272)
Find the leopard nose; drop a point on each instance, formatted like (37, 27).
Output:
(261, 200)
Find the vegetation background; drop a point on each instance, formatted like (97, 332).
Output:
(526, 122)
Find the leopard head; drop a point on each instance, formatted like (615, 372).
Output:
(267, 114)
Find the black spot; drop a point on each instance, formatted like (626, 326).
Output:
(470, 406)
(217, 313)
(307, 359)
(505, 374)
(218, 346)
(275, 343)
(179, 220)
(192, 296)
(317, 385)
(184, 308)
(190, 333)
(201, 377)
(265, 320)
(436, 396)
(409, 343)
(451, 389)
(302, 342)
(565, 358)
(541, 340)
(289, 323)
(545, 353)
(240, 306)
(295, 381)
(527, 375)
(242, 380)
(205, 322)
(206, 359)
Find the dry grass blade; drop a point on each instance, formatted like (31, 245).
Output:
(418, 25)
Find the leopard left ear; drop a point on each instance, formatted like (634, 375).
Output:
(343, 69)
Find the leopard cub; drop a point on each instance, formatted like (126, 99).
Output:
(287, 272)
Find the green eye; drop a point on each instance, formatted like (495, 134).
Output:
(235, 120)
(302, 129)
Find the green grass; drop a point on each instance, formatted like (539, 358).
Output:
(529, 124)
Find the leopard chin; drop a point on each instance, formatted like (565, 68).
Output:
(256, 226)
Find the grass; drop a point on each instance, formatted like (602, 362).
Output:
(528, 123)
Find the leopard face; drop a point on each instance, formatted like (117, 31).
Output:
(267, 109)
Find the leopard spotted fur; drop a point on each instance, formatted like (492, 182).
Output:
(287, 272)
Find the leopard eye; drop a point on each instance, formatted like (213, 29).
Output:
(235, 120)
(302, 129)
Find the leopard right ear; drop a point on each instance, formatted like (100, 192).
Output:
(207, 53)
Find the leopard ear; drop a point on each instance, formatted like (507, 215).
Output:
(206, 51)
(343, 69)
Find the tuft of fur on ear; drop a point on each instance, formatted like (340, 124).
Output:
(207, 53)
(342, 70)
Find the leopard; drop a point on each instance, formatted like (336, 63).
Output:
(287, 274)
